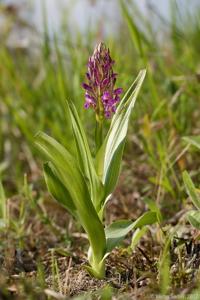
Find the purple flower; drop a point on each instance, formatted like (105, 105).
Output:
(100, 93)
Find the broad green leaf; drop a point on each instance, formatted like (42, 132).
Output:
(194, 218)
(108, 159)
(66, 166)
(85, 158)
(116, 232)
(191, 190)
(153, 207)
(193, 140)
(73, 180)
(57, 189)
(138, 234)
(114, 170)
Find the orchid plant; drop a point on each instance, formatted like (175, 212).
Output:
(82, 182)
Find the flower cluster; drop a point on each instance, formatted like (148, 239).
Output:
(100, 93)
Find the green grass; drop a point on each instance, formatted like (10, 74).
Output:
(32, 95)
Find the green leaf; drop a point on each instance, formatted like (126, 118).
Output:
(138, 234)
(193, 140)
(191, 190)
(116, 232)
(114, 170)
(154, 207)
(108, 159)
(73, 180)
(194, 218)
(85, 158)
(65, 164)
(57, 189)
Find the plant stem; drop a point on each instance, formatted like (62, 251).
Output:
(97, 265)
(99, 122)
(98, 134)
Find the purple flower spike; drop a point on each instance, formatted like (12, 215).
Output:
(100, 93)
(86, 105)
(118, 91)
(86, 87)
